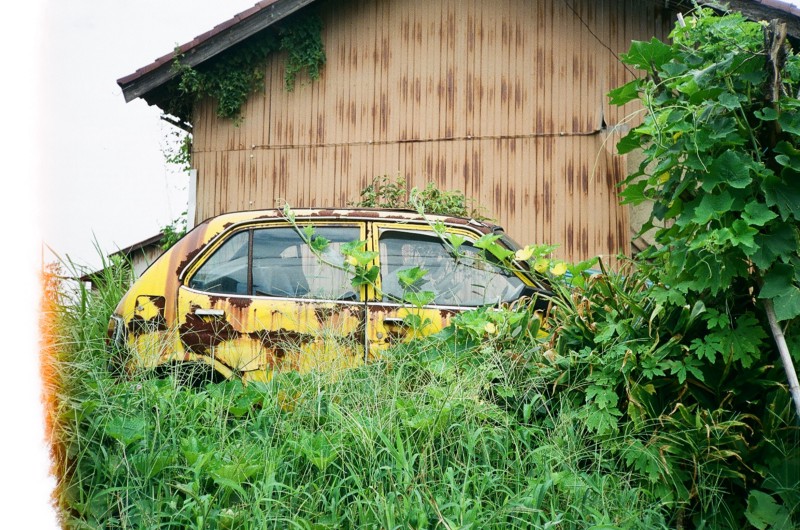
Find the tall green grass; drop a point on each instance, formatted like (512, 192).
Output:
(425, 438)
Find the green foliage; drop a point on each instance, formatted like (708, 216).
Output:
(688, 354)
(382, 192)
(431, 436)
(174, 231)
(238, 72)
(686, 391)
(720, 162)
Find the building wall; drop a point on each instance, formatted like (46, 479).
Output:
(502, 99)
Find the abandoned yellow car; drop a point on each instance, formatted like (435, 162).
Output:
(250, 293)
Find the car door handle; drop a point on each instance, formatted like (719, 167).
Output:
(209, 312)
(394, 321)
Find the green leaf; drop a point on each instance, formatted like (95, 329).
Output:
(780, 241)
(766, 114)
(705, 348)
(787, 304)
(629, 142)
(758, 214)
(783, 195)
(456, 241)
(647, 55)
(764, 512)
(126, 430)
(410, 277)
(789, 156)
(745, 340)
(729, 101)
(777, 281)
(729, 168)
(712, 206)
(634, 193)
(626, 93)
(419, 299)
(790, 122)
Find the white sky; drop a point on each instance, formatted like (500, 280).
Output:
(79, 166)
(104, 178)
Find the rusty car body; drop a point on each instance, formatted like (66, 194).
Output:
(245, 294)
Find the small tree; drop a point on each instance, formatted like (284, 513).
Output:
(721, 166)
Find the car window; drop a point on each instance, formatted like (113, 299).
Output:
(283, 265)
(225, 272)
(280, 264)
(463, 280)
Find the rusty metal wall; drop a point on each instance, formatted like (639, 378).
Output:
(502, 99)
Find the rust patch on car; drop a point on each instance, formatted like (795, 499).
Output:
(198, 335)
(239, 302)
(281, 341)
(188, 259)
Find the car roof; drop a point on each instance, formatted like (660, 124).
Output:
(364, 214)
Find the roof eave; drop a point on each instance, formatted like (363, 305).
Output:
(148, 80)
(762, 10)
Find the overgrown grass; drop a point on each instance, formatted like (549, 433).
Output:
(600, 423)
(422, 439)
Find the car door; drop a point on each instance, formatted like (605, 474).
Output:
(259, 300)
(456, 280)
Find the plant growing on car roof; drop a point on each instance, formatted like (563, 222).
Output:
(382, 192)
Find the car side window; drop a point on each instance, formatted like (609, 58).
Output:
(280, 264)
(463, 280)
(284, 265)
(225, 272)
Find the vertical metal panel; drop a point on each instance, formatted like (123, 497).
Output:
(503, 100)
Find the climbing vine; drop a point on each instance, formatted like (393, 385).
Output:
(721, 165)
(239, 72)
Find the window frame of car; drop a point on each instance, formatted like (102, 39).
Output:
(189, 272)
(381, 227)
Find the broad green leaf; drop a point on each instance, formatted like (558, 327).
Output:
(742, 236)
(790, 122)
(729, 101)
(409, 277)
(787, 304)
(629, 142)
(456, 241)
(745, 340)
(780, 241)
(634, 193)
(712, 206)
(786, 197)
(730, 168)
(419, 299)
(777, 281)
(648, 55)
(626, 93)
(126, 430)
(766, 114)
(789, 156)
(764, 512)
(707, 349)
(758, 214)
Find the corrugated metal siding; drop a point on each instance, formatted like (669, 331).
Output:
(503, 99)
